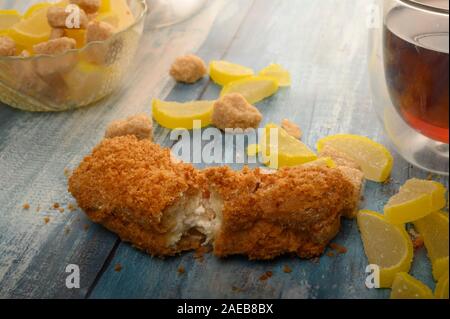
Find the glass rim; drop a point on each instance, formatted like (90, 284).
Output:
(428, 7)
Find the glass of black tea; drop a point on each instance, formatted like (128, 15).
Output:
(409, 68)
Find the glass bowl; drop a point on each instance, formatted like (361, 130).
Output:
(76, 78)
(408, 66)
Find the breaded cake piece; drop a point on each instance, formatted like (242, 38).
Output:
(293, 210)
(356, 178)
(133, 188)
(136, 190)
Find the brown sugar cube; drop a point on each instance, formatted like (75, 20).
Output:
(57, 17)
(57, 33)
(99, 53)
(90, 6)
(55, 65)
(98, 31)
(7, 46)
(188, 69)
(233, 111)
(55, 46)
(138, 125)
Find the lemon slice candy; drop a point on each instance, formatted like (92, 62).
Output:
(374, 159)
(174, 115)
(36, 7)
(386, 245)
(31, 31)
(223, 72)
(278, 73)
(435, 228)
(416, 199)
(441, 291)
(321, 162)
(8, 18)
(254, 89)
(279, 149)
(408, 287)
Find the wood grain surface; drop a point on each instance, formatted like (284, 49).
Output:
(323, 44)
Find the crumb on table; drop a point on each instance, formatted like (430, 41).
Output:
(266, 275)
(236, 289)
(340, 249)
(26, 206)
(46, 220)
(416, 238)
(181, 270)
(287, 269)
(118, 267)
(67, 172)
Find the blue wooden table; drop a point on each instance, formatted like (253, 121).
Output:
(323, 43)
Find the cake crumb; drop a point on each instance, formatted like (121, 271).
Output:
(55, 205)
(61, 210)
(292, 129)
(416, 238)
(266, 276)
(46, 220)
(26, 206)
(181, 270)
(118, 267)
(236, 289)
(200, 253)
(67, 172)
(71, 207)
(287, 269)
(340, 249)
(330, 254)
(418, 242)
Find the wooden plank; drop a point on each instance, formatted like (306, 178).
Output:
(324, 46)
(35, 149)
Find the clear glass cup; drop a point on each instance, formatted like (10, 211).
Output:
(409, 70)
(164, 13)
